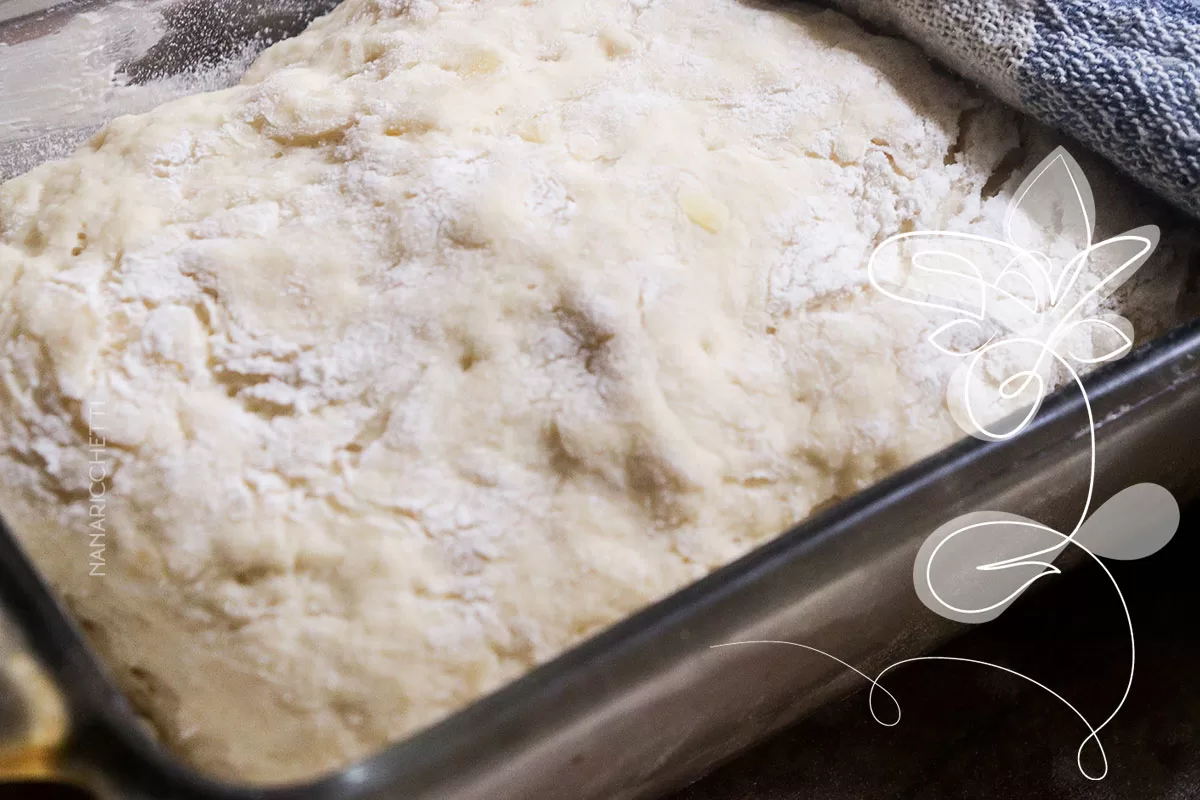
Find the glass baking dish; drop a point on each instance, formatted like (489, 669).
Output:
(649, 704)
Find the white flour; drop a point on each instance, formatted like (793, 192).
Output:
(60, 79)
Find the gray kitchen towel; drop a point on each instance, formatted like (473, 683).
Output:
(1121, 76)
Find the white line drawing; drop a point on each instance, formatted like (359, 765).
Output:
(1022, 310)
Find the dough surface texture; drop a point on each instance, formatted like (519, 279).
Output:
(456, 332)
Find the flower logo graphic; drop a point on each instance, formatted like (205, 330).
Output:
(1024, 311)
(1034, 318)
(1022, 314)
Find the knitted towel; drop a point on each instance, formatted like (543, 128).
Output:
(1121, 76)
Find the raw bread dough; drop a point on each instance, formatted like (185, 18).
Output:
(456, 332)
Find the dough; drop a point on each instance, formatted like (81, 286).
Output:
(455, 333)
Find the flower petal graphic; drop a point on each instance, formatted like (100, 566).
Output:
(1136, 522)
(965, 569)
(954, 272)
(1096, 339)
(1098, 271)
(1053, 213)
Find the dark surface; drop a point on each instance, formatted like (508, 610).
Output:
(204, 33)
(970, 732)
